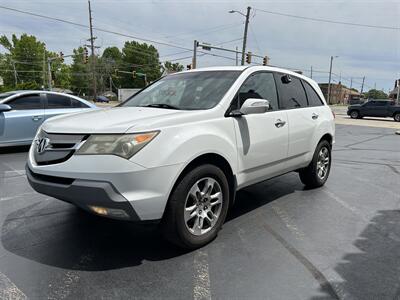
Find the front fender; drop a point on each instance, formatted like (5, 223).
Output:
(182, 144)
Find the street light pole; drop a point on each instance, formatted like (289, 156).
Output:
(329, 82)
(246, 25)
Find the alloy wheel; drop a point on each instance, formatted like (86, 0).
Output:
(323, 163)
(203, 206)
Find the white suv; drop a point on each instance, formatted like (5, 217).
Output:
(178, 150)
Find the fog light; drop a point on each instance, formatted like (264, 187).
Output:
(99, 210)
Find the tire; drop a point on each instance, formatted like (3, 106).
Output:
(184, 229)
(396, 117)
(354, 114)
(311, 176)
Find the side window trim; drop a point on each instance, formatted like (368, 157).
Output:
(235, 100)
(9, 102)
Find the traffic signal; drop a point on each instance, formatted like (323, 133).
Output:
(85, 55)
(189, 67)
(265, 60)
(248, 57)
(61, 56)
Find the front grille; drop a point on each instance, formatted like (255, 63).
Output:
(57, 148)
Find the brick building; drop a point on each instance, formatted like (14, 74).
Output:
(340, 94)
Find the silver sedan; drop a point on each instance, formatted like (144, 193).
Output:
(22, 112)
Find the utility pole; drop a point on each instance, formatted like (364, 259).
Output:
(246, 25)
(92, 38)
(110, 84)
(351, 82)
(194, 60)
(15, 73)
(237, 58)
(311, 73)
(49, 71)
(362, 86)
(398, 91)
(44, 68)
(329, 82)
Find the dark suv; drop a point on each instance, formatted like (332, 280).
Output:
(375, 108)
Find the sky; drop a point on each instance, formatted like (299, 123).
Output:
(289, 42)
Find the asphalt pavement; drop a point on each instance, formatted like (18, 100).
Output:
(280, 241)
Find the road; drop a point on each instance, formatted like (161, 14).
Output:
(280, 241)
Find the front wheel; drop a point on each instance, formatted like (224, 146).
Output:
(354, 114)
(317, 172)
(396, 117)
(197, 207)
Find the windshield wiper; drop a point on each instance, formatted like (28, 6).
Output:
(161, 105)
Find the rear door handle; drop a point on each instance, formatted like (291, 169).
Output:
(280, 123)
(36, 118)
(314, 116)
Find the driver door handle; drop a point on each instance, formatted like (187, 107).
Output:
(36, 118)
(280, 123)
(314, 116)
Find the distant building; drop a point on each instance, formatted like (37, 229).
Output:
(340, 94)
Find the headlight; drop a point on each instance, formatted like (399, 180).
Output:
(124, 145)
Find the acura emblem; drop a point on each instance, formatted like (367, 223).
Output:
(42, 144)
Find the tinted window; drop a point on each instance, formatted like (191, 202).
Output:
(370, 103)
(58, 101)
(77, 104)
(312, 96)
(259, 86)
(26, 102)
(191, 90)
(381, 103)
(291, 93)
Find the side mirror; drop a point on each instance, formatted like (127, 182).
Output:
(254, 106)
(5, 107)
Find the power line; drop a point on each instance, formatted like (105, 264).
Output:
(327, 20)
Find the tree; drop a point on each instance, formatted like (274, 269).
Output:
(376, 94)
(80, 75)
(141, 58)
(111, 61)
(26, 55)
(173, 67)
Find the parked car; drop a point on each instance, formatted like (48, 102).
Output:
(375, 108)
(178, 150)
(102, 99)
(22, 112)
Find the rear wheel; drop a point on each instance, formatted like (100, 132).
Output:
(197, 207)
(396, 117)
(354, 114)
(317, 172)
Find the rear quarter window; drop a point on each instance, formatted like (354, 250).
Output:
(312, 96)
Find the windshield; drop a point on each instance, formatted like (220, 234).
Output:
(188, 91)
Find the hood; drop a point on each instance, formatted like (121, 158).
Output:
(110, 120)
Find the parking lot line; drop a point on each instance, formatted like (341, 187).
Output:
(202, 286)
(8, 290)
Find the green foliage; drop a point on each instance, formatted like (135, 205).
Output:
(142, 58)
(173, 67)
(80, 75)
(25, 54)
(29, 57)
(376, 94)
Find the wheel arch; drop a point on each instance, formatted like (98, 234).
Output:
(213, 159)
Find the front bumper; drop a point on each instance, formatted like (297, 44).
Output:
(85, 194)
(106, 181)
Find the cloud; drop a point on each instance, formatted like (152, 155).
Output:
(296, 43)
